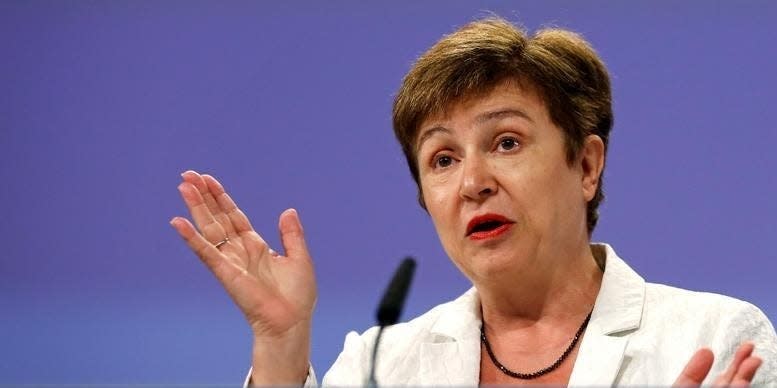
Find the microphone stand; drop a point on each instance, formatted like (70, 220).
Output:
(390, 308)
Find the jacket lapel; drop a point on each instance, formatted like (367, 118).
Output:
(450, 363)
(452, 356)
(617, 313)
(599, 364)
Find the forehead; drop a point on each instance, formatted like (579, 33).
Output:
(512, 97)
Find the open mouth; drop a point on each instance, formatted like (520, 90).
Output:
(487, 225)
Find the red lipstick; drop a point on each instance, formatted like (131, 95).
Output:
(488, 226)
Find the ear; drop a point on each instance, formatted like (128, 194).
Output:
(592, 163)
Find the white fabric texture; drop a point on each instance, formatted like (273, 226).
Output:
(639, 334)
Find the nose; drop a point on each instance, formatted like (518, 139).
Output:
(477, 180)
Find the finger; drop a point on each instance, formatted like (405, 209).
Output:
(203, 218)
(224, 270)
(744, 375)
(696, 370)
(292, 235)
(744, 351)
(199, 182)
(239, 220)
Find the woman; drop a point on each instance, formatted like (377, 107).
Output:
(506, 137)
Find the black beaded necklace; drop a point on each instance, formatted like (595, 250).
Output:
(535, 374)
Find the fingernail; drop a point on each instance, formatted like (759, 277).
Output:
(298, 219)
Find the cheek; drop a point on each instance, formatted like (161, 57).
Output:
(437, 193)
(441, 208)
(538, 193)
(437, 206)
(559, 197)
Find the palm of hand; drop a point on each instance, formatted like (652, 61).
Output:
(275, 293)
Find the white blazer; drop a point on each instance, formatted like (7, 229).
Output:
(639, 334)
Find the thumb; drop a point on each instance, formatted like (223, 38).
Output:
(292, 235)
(696, 369)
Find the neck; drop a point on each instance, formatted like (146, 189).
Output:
(559, 289)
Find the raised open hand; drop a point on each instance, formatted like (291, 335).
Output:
(740, 372)
(276, 293)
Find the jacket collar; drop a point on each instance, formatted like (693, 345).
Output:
(618, 306)
(451, 356)
(617, 313)
(458, 318)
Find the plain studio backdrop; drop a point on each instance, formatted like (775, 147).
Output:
(104, 103)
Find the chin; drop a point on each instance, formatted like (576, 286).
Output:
(494, 266)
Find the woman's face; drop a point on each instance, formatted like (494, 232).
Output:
(498, 187)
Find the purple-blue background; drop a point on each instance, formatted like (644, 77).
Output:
(103, 104)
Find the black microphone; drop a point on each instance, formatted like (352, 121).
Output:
(394, 298)
(391, 307)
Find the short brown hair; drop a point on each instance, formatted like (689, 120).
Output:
(560, 65)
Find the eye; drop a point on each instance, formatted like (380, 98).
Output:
(442, 161)
(508, 143)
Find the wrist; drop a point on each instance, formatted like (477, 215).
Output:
(281, 360)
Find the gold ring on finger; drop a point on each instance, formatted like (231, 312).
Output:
(222, 242)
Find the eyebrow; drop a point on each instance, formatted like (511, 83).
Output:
(502, 113)
(480, 119)
(429, 133)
